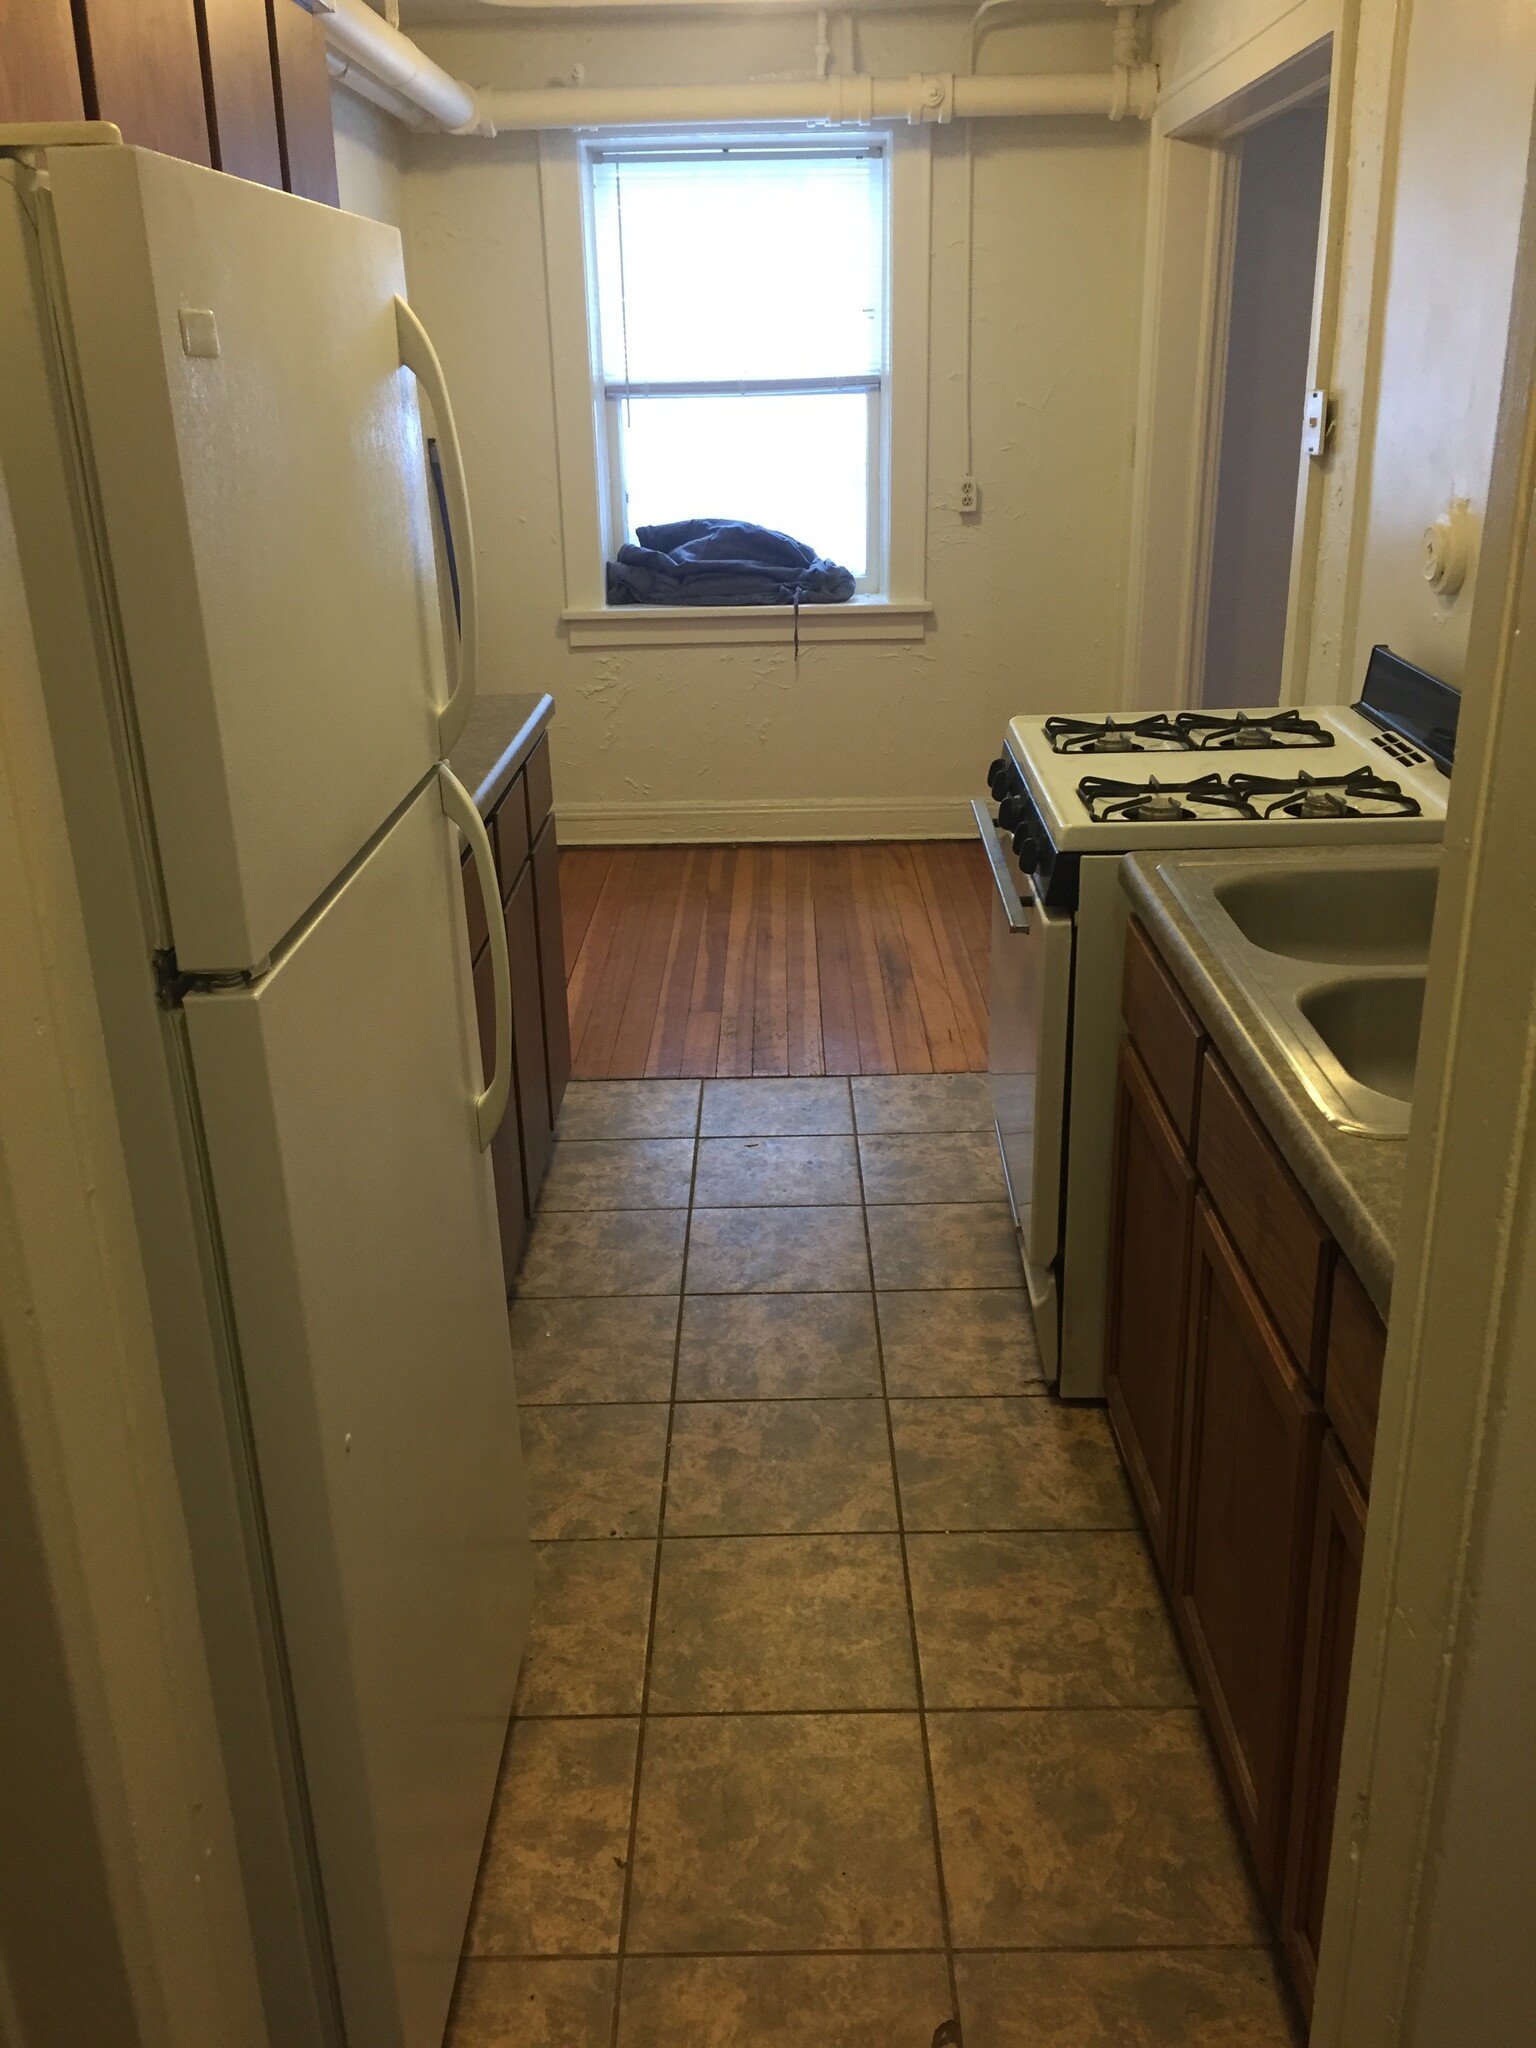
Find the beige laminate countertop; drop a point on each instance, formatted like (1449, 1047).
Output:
(1355, 1182)
(500, 734)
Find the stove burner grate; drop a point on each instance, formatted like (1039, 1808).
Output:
(1213, 732)
(1360, 794)
(1160, 803)
(1156, 734)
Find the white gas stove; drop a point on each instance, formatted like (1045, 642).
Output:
(1074, 795)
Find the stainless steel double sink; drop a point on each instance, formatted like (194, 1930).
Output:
(1330, 947)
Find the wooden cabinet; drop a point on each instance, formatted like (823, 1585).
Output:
(1332, 1599)
(1154, 1213)
(540, 1052)
(531, 1076)
(242, 101)
(552, 969)
(141, 66)
(1251, 1433)
(39, 70)
(1243, 1373)
(241, 85)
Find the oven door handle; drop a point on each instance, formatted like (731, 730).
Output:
(1013, 905)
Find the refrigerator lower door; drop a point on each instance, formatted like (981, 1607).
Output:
(358, 1225)
(236, 359)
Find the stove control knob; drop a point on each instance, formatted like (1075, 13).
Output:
(1000, 777)
(1025, 847)
(1012, 811)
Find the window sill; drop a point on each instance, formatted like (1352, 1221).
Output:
(756, 625)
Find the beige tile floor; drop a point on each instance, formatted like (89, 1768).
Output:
(850, 1704)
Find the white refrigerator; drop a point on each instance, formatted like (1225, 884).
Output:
(210, 429)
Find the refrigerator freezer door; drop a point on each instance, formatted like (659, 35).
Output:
(359, 1229)
(258, 458)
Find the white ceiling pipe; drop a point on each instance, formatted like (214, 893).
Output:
(846, 100)
(367, 87)
(367, 42)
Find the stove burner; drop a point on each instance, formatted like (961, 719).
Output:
(1360, 794)
(1160, 803)
(1185, 732)
(1112, 736)
(1212, 732)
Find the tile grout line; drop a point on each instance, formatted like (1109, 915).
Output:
(906, 1579)
(650, 1632)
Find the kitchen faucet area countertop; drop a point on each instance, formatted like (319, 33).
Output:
(1355, 1179)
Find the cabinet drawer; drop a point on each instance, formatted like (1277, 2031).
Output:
(1357, 1342)
(1165, 1030)
(540, 789)
(512, 840)
(1268, 1218)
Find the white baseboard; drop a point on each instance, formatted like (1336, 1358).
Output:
(715, 824)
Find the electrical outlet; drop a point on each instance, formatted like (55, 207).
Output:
(970, 497)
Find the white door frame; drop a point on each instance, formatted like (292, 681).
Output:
(1431, 1884)
(1191, 225)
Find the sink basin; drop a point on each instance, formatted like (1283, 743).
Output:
(1370, 1024)
(1367, 916)
(1329, 948)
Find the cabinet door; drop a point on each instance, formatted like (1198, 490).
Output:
(1153, 1220)
(242, 106)
(506, 1146)
(1332, 1598)
(1251, 1436)
(39, 71)
(557, 1022)
(142, 67)
(532, 1078)
(307, 138)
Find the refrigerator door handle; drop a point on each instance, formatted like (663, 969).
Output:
(419, 356)
(459, 805)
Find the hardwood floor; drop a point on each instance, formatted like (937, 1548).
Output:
(719, 960)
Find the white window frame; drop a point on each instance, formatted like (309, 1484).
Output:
(589, 485)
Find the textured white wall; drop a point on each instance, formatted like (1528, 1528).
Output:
(1029, 598)
(370, 158)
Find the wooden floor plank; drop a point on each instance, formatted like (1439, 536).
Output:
(632, 1043)
(839, 1025)
(588, 970)
(877, 1041)
(669, 1036)
(954, 959)
(701, 1046)
(735, 1055)
(913, 1055)
(806, 1054)
(770, 994)
(583, 871)
(777, 959)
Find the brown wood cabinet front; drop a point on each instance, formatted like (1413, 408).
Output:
(507, 1145)
(1332, 1599)
(1153, 1221)
(557, 1021)
(1252, 1430)
(39, 71)
(531, 1080)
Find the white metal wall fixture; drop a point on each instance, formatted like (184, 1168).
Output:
(386, 66)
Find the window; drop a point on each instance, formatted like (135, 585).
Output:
(739, 329)
(737, 295)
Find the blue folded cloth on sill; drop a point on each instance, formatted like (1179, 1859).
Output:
(723, 561)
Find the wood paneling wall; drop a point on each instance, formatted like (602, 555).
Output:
(238, 84)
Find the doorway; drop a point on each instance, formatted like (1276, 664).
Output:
(1276, 182)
